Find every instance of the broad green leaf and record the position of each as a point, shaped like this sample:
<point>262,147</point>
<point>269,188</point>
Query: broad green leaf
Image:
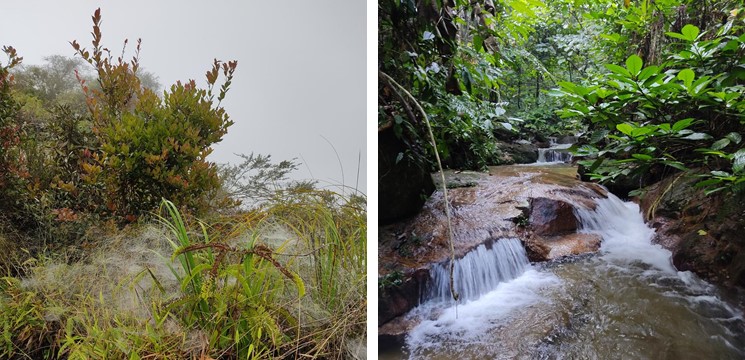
<point>697,136</point>
<point>478,42</point>
<point>643,157</point>
<point>709,192</point>
<point>618,70</point>
<point>521,7</point>
<point>720,144</point>
<point>643,130</point>
<point>720,173</point>
<point>699,86</point>
<point>597,136</point>
<point>738,161</point>
<point>648,72</point>
<point>682,124</point>
<point>677,36</point>
<point>687,76</point>
<point>568,86</point>
<point>634,64</point>
<point>603,93</point>
<point>625,128</point>
<point>676,164</point>
<point>467,79</point>
<point>690,32</point>
<point>615,37</point>
<point>708,182</point>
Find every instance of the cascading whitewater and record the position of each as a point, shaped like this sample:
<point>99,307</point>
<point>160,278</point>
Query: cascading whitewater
<point>629,301</point>
<point>480,271</point>
<point>554,154</point>
<point>625,235</point>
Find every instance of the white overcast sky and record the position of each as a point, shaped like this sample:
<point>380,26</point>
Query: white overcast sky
<point>301,67</point>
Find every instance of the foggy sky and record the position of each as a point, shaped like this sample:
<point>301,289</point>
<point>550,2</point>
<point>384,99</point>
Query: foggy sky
<point>301,67</point>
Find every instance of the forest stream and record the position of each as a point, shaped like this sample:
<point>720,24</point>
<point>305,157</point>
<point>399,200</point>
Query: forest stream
<point>625,301</point>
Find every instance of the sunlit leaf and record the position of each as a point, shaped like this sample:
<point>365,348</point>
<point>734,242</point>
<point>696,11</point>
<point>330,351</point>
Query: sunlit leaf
<point>643,157</point>
<point>634,64</point>
<point>687,76</point>
<point>625,128</point>
<point>682,124</point>
<point>690,32</point>
<point>618,70</point>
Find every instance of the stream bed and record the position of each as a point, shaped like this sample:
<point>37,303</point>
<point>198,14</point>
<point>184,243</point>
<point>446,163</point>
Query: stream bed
<point>625,302</point>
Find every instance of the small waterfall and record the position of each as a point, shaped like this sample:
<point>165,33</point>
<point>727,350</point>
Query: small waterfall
<point>629,301</point>
<point>555,154</point>
<point>480,271</point>
<point>625,235</point>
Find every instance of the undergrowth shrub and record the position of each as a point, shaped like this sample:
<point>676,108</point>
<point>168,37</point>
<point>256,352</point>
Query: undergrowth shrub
<point>682,115</point>
<point>286,282</point>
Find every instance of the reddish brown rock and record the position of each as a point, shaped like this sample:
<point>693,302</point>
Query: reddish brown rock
<point>396,300</point>
<point>551,217</point>
<point>544,248</point>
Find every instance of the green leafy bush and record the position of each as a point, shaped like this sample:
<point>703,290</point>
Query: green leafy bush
<point>685,113</point>
<point>151,147</point>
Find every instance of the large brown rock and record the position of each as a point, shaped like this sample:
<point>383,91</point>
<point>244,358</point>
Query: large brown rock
<point>551,217</point>
<point>544,248</point>
<point>398,299</point>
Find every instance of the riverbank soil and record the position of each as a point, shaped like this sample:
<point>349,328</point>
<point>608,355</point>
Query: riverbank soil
<point>706,234</point>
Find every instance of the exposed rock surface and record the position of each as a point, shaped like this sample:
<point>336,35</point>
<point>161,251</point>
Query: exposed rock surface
<point>403,183</point>
<point>549,216</point>
<point>396,300</point>
<point>542,248</point>
<point>706,234</point>
<point>532,203</point>
<point>516,153</point>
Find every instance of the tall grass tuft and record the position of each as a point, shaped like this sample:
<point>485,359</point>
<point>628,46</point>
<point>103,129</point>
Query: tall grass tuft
<point>330,232</point>
<point>286,281</point>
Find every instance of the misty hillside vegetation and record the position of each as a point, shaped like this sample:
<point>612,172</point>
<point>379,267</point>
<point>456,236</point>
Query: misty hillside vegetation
<point>119,239</point>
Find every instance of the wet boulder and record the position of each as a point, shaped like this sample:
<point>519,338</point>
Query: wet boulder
<point>551,217</point>
<point>399,293</point>
<point>518,153</point>
<point>544,248</point>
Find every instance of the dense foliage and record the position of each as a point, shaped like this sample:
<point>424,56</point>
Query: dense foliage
<point>95,263</point>
<point>654,86</point>
<point>82,144</point>
<point>685,113</point>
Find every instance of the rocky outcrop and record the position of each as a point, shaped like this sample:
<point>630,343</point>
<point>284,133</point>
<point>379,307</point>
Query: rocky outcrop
<point>398,298</point>
<point>543,248</point>
<point>518,153</point>
<point>704,233</point>
<point>530,203</point>
<point>551,217</point>
<point>553,231</point>
<point>403,182</point>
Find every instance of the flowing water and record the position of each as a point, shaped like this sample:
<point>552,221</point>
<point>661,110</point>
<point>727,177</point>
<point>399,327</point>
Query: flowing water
<point>556,154</point>
<point>627,302</point>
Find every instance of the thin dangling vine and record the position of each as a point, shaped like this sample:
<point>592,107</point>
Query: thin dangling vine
<point>390,80</point>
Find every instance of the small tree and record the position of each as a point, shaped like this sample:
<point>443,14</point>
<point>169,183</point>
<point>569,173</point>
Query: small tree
<point>10,162</point>
<point>151,147</point>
